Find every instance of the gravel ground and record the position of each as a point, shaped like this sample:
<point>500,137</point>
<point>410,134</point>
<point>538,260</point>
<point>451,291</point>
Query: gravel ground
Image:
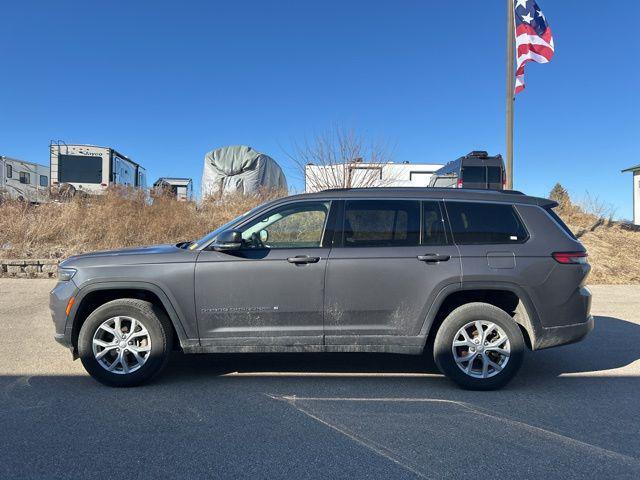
<point>571,412</point>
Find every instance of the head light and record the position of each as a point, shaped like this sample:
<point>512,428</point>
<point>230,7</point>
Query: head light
<point>65,274</point>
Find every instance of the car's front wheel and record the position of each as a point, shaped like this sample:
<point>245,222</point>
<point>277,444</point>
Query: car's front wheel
<point>125,342</point>
<point>479,346</point>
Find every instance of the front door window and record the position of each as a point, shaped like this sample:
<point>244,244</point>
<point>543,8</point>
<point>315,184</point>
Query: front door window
<point>299,225</point>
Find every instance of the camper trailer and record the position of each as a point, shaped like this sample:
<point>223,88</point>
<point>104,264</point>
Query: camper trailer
<point>180,188</point>
<point>24,181</point>
<point>362,174</point>
<point>477,169</point>
<point>91,169</point>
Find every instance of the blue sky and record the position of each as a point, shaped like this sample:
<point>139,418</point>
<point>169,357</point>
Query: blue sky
<point>164,82</point>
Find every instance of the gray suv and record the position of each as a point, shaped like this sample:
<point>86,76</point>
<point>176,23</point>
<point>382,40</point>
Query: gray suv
<point>476,276</point>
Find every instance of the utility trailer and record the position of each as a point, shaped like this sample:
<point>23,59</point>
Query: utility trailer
<point>361,174</point>
<point>24,181</point>
<point>180,188</point>
<point>91,169</point>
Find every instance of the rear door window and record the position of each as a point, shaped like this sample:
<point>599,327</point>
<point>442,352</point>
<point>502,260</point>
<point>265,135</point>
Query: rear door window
<point>494,174</point>
<point>485,223</point>
<point>381,223</point>
<point>474,175</point>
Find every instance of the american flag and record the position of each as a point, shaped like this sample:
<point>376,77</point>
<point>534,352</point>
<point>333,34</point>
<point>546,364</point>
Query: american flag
<point>534,42</point>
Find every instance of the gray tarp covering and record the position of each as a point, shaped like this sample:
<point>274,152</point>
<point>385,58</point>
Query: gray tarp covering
<point>240,168</point>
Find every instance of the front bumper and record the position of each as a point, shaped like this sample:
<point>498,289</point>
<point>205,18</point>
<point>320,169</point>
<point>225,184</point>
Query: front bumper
<point>58,300</point>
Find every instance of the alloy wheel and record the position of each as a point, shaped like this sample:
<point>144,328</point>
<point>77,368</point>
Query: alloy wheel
<point>481,349</point>
<point>121,345</point>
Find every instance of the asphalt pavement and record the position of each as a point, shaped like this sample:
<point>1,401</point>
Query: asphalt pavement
<point>572,412</point>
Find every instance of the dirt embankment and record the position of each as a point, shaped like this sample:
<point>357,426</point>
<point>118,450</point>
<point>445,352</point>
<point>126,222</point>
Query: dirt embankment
<point>114,220</point>
<point>124,219</point>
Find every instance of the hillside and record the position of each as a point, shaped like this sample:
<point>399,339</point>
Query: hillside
<point>124,218</point>
<point>612,246</point>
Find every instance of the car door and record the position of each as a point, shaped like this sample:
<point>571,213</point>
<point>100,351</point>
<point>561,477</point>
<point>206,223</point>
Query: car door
<point>491,239</point>
<point>270,291</point>
<point>389,261</point>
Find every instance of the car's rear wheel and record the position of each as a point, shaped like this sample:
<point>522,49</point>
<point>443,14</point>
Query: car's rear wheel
<point>125,342</point>
<point>479,346</point>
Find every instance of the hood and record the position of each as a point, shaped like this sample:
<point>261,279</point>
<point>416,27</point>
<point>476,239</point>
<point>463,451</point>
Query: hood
<point>148,254</point>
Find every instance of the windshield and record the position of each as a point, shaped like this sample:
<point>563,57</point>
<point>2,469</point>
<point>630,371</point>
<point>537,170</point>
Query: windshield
<point>210,236</point>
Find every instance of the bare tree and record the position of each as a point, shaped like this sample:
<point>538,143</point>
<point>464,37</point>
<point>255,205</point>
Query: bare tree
<point>595,206</point>
<point>340,158</point>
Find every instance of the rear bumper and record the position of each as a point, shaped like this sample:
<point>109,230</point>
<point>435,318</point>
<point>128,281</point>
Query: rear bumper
<point>563,335</point>
<point>565,322</point>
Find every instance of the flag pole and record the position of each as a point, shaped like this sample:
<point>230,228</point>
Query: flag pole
<point>510,92</point>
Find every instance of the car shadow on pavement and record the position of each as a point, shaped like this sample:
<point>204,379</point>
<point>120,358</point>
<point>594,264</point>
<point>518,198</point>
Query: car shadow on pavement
<point>614,343</point>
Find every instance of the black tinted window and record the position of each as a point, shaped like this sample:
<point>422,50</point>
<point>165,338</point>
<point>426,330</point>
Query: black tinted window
<point>494,174</point>
<point>9,171</point>
<point>44,181</point>
<point>474,223</point>
<point>559,221</point>
<point>474,174</point>
<point>433,226</point>
<point>25,178</point>
<point>381,223</point>
<point>79,169</point>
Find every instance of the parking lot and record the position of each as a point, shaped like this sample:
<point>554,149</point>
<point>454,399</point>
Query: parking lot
<point>572,412</point>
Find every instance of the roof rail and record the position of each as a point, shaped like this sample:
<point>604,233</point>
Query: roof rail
<point>487,190</point>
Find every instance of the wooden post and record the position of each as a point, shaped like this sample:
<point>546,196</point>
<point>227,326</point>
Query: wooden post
<point>510,78</point>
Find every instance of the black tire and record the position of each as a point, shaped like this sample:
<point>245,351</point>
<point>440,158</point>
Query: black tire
<point>461,316</point>
<point>160,333</point>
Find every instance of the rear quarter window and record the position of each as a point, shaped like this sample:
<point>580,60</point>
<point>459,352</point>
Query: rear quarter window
<point>560,223</point>
<point>485,223</point>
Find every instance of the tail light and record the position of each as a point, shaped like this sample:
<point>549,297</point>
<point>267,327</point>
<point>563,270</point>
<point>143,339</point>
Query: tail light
<point>570,257</point>
<point>459,184</point>
<point>103,184</point>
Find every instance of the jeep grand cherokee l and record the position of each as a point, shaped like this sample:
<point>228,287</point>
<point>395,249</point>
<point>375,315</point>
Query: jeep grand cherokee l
<point>477,275</point>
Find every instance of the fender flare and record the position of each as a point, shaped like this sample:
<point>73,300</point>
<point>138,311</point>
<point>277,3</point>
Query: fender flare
<point>526,313</point>
<point>127,285</point>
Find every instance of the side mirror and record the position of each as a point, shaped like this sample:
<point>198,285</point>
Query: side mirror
<point>264,236</point>
<point>228,240</point>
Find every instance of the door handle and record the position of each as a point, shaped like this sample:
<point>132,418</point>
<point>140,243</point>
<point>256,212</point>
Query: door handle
<point>303,259</point>
<point>433,258</point>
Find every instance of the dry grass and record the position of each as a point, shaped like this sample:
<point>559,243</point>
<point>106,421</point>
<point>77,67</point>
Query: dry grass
<point>114,220</point>
<point>125,218</point>
<point>612,249</point>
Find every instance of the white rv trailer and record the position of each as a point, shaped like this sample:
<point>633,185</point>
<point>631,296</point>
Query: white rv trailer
<point>91,169</point>
<point>25,181</point>
<point>180,188</point>
<point>360,174</point>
